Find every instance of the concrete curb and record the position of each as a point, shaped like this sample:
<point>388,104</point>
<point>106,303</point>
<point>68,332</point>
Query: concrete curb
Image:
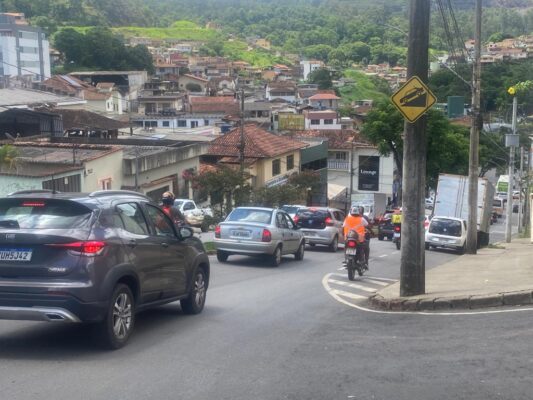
<point>518,298</point>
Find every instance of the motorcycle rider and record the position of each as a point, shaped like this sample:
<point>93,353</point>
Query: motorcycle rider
<point>167,204</point>
<point>355,221</point>
<point>366,247</point>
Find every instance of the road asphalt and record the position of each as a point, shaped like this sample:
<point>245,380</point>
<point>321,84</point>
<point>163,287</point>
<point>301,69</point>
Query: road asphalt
<point>281,333</point>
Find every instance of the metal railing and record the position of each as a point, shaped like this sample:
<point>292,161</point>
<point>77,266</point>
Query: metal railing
<point>339,165</point>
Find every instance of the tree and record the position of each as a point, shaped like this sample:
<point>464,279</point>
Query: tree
<point>193,87</point>
<point>322,77</point>
<point>8,156</point>
<point>447,147</point>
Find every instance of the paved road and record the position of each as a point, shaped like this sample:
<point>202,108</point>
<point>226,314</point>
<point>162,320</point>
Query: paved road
<point>276,333</point>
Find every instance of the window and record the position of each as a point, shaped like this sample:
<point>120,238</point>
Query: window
<point>194,124</point>
<point>28,35</point>
<point>182,123</point>
<point>290,162</point>
<point>132,218</point>
<point>43,214</point>
<point>276,167</point>
<point>162,224</point>
<point>28,50</point>
<point>30,64</point>
<point>206,122</point>
<point>328,122</point>
<point>250,215</point>
<point>166,124</point>
<point>341,155</point>
<point>105,184</point>
<point>281,222</point>
<point>315,122</point>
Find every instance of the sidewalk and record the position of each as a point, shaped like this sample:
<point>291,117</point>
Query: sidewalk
<point>494,277</point>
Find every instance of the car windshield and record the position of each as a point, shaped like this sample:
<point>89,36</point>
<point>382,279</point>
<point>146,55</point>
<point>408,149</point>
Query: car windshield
<point>497,203</point>
<point>448,227</point>
<point>290,209</point>
<point>42,214</point>
<point>312,213</point>
<point>178,203</point>
<point>250,215</point>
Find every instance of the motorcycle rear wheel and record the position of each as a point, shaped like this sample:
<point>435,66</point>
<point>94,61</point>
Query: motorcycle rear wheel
<point>351,269</point>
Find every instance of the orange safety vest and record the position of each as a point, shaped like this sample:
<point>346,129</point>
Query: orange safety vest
<point>356,224</point>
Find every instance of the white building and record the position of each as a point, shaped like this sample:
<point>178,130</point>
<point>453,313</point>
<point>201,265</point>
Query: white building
<point>322,120</point>
<point>309,66</point>
<point>24,49</point>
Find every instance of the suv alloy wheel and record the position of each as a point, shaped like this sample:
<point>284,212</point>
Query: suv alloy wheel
<point>194,303</point>
<point>118,324</point>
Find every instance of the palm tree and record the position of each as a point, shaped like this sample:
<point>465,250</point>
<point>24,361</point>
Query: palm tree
<point>8,156</point>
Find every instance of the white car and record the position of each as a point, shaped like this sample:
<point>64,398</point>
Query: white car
<point>447,232</point>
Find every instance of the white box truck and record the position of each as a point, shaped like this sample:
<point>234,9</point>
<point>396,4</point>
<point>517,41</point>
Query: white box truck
<point>452,201</point>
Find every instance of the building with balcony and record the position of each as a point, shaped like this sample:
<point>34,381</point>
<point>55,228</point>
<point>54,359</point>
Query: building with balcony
<point>24,49</point>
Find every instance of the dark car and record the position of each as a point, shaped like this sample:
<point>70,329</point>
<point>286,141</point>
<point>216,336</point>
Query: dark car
<point>385,227</point>
<point>95,258</point>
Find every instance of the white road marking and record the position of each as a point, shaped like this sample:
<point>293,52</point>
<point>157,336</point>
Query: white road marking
<point>383,255</point>
<point>348,294</point>
<point>352,285</point>
<point>334,293</point>
<point>377,282</point>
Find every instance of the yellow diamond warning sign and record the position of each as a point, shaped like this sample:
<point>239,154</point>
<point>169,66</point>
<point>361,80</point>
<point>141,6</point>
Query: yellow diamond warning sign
<point>413,99</point>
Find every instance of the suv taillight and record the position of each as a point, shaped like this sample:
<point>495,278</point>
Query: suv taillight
<point>295,219</point>
<point>266,236</point>
<point>329,221</point>
<point>90,248</point>
<point>217,231</point>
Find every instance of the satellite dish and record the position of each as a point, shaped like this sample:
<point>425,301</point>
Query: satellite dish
<point>10,137</point>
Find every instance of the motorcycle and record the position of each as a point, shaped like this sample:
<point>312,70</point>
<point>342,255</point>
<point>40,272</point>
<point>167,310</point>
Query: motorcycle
<point>397,236</point>
<point>354,255</point>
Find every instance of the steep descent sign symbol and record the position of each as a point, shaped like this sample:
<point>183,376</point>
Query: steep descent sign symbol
<point>413,99</point>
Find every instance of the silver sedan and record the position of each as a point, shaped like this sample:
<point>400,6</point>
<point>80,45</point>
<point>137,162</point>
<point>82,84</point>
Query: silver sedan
<point>255,231</point>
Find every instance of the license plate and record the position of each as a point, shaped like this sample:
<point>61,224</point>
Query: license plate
<point>241,234</point>
<point>309,233</point>
<point>351,251</point>
<point>15,254</point>
<point>397,235</point>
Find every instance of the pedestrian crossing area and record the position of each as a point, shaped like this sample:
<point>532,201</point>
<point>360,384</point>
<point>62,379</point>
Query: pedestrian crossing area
<point>357,291</point>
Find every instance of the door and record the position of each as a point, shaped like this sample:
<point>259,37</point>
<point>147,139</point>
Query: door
<point>172,252</point>
<point>282,223</point>
<point>295,234</point>
<point>142,250</point>
<point>338,216</point>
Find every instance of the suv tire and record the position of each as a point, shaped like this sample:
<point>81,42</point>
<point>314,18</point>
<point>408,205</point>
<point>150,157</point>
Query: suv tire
<point>115,330</point>
<point>194,303</point>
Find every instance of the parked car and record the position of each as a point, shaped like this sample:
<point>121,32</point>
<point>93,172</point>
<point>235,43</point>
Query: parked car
<point>446,232</point>
<point>292,210</point>
<point>257,231</point>
<point>193,214</point>
<point>385,227</point>
<point>321,225</point>
<point>95,258</point>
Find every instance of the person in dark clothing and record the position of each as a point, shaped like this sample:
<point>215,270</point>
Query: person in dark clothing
<point>366,246</point>
<point>167,204</point>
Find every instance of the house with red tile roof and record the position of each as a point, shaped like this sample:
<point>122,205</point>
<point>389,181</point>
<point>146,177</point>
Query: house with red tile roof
<point>322,119</point>
<point>269,159</point>
<point>189,82</point>
<point>212,105</point>
<point>323,100</point>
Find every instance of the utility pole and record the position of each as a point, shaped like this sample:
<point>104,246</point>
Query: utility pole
<point>412,270</point>
<point>473,166</point>
<point>520,178</point>
<point>352,171</point>
<point>241,147</point>
<point>511,142</point>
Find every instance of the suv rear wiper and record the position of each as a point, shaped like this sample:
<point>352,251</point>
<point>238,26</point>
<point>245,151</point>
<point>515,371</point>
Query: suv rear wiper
<point>9,223</point>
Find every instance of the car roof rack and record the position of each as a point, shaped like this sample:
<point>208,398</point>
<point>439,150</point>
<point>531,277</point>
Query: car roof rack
<point>103,193</point>
<point>33,191</point>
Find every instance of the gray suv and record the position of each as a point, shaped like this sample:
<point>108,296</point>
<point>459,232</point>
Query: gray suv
<point>95,258</point>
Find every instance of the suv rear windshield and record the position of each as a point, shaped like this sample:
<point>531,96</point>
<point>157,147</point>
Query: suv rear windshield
<point>312,218</point>
<point>448,227</point>
<point>250,215</point>
<point>42,214</point>
<point>290,209</point>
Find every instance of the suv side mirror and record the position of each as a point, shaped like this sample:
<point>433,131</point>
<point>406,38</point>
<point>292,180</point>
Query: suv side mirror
<point>185,232</point>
